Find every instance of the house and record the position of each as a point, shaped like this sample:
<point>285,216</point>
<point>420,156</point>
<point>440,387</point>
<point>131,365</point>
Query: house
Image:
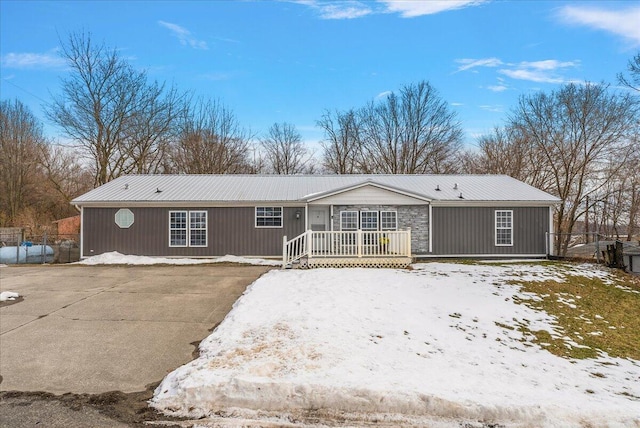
<point>363,215</point>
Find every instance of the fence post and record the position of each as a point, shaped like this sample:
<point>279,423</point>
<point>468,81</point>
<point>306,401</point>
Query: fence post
<point>18,240</point>
<point>44,248</point>
<point>598,247</point>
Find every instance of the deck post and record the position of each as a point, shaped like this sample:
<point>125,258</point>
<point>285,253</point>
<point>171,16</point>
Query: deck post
<point>309,243</point>
<point>359,243</point>
<point>408,242</point>
<point>284,252</point>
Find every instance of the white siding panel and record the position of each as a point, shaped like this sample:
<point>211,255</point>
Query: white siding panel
<point>369,195</point>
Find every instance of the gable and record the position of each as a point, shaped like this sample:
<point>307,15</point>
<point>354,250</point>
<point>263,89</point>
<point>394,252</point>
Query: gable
<point>368,195</point>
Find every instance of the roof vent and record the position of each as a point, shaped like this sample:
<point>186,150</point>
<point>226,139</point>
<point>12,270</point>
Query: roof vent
<point>460,196</point>
<point>455,186</point>
<point>126,187</point>
<point>438,188</point>
<point>158,190</point>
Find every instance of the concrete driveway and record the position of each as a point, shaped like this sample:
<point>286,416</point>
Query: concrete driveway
<point>92,329</point>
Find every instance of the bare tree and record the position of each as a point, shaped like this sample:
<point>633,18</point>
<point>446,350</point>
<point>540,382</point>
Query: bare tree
<point>410,133</point>
<point>116,118</point>
<point>575,130</point>
<point>284,151</point>
<point>505,151</point>
<point>21,140</point>
<point>211,141</point>
<point>341,145</point>
<point>633,68</point>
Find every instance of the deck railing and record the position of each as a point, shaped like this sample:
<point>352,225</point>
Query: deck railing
<point>357,243</point>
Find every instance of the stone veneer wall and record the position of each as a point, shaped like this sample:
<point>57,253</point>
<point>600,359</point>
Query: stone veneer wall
<point>415,217</point>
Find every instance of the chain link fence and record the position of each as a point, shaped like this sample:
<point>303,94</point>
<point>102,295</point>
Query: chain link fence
<point>18,246</point>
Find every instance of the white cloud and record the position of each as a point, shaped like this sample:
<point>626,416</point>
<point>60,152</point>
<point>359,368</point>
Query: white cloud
<point>546,71</point>
<point>456,104</point>
<point>497,108</point>
<point>32,60</point>
<point>184,36</point>
<point>497,88</point>
<point>384,94</point>
<point>413,8</point>
<point>624,22</point>
<point>347,9</point>
<point>468,63</point>
<point>350,9</point>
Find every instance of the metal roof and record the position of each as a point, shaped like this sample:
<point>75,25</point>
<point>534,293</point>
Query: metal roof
<point>292,188</point>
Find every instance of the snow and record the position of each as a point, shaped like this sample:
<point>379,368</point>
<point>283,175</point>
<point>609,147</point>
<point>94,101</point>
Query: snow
<point>438,345</point>
<point>115,258</point>
<point>8,295</point>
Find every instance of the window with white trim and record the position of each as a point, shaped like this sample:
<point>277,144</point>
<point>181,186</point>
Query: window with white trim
<point>369,220</point>
<point>348,220</point>
<point>197,228</point>
<point>187,228</point>
<point>268,216</point>
<point>124,218</point>
<point>388,220</point>
<point>504,228</point>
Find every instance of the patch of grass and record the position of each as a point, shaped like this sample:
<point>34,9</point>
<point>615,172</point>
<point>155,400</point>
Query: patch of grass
<point>592,315</point>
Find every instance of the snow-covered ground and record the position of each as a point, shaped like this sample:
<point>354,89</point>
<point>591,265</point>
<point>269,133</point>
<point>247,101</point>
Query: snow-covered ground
<point>8,295</point>
<point>115,258</point>
<point>423,346</point>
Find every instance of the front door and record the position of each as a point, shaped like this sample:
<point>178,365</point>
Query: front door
<point>319,222</point>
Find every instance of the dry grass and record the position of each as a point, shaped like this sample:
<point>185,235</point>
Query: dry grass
<point>593,315</point>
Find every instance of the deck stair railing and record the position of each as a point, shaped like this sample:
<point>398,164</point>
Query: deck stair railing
<point>351,244</point>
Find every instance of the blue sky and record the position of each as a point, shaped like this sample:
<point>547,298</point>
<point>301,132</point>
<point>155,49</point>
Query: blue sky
<point>288,61</point>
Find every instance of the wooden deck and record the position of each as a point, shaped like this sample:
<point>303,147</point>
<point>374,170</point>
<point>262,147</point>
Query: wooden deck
<point>348,249</point>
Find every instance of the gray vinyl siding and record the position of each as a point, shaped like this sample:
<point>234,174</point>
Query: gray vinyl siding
<point>230,230</point>
<point>471,230</point>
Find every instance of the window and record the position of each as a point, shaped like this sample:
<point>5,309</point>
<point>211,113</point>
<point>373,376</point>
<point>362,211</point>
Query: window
<point>504,228</point>
<point>268,216</point>
<point>369,220</point>
<point>197,228</point>
<point>348,220</point>
<point>124,218</point>
<point>388,220</point>
<point>191,233</point>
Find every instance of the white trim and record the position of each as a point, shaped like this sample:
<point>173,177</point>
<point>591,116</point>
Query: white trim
<point>255,218</point>
<point>430,228</point>
<point>206,229</point>
<point>493,204</point>
<point>81,232</point>
<point>377,217</point>
<point>192,204</point>
<point>551,230</point>
<point>186,213</point>
<point>495,228</point>
<point>329,193</point>
<point>380,220</point>
<point>357,219</point>
<point>126,212</point>
<point>474,256</point>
